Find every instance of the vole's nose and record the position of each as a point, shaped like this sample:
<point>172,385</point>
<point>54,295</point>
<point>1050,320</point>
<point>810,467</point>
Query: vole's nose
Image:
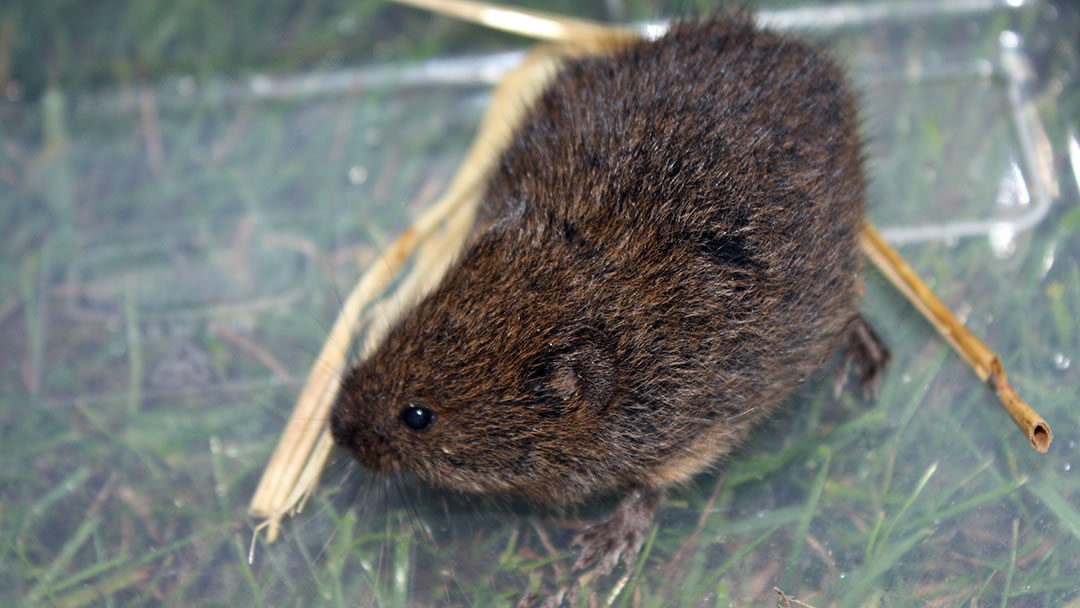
<point>368,444</point>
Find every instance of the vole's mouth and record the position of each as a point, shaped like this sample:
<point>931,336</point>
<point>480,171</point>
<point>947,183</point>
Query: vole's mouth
<point>380,462</point>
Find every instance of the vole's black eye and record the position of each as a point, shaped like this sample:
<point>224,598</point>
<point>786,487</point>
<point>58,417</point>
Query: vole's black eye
<point>417,417</point>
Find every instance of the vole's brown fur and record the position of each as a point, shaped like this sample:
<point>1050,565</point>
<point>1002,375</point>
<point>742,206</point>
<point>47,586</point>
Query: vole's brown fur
<point>667,248</point>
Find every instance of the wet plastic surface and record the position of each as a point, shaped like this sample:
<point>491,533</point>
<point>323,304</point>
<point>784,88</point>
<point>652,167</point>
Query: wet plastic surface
<point>177,251</point>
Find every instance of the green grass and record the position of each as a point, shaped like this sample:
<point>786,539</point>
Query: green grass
<point>175,248</point>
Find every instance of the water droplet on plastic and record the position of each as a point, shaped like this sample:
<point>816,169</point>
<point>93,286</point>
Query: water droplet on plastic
<point>1013,190</point>
<point>358,175</point>
<point>843,575</point>
<point>1061,362</point>
<point>1048,260</point>
<point>1067,467</point>
<point>261,85</point>
<point>186,86</point>
<point>1003,239</point>
<point>962,312</point>
<point>906,378</point>
<point>1009,39</point>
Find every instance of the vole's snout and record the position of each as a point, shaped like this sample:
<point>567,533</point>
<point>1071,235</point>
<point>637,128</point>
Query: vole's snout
<point>340,428</point>
<point>368,445</point>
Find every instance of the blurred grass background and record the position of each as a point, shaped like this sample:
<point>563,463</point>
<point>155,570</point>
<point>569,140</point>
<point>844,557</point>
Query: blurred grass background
<point>176,243</point>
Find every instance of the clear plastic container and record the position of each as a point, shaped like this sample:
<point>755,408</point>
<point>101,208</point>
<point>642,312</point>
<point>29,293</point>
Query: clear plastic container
<point>178,244</point>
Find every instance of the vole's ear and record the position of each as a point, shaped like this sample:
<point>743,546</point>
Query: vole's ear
<point>578,369</point>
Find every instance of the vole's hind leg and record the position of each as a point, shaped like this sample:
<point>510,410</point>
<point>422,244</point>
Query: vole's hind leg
<point>619,536</point>
<point>867,353</point>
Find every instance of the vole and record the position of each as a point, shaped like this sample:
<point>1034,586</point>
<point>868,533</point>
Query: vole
<point>666,249</point>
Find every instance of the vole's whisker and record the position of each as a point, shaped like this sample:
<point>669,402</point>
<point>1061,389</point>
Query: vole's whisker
<point>415,519</point>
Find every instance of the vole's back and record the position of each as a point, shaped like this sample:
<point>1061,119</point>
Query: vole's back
<point>666,249</point>
<point>708,190</point>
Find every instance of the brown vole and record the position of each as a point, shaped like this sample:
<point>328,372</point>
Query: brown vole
<point>666,249</point>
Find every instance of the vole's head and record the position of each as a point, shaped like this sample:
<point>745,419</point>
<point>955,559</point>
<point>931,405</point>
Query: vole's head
<point>498,382</point>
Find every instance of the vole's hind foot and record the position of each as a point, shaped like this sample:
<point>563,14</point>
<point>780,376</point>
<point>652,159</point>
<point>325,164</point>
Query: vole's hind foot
<point>868,354</point>
<point>619,536</point>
